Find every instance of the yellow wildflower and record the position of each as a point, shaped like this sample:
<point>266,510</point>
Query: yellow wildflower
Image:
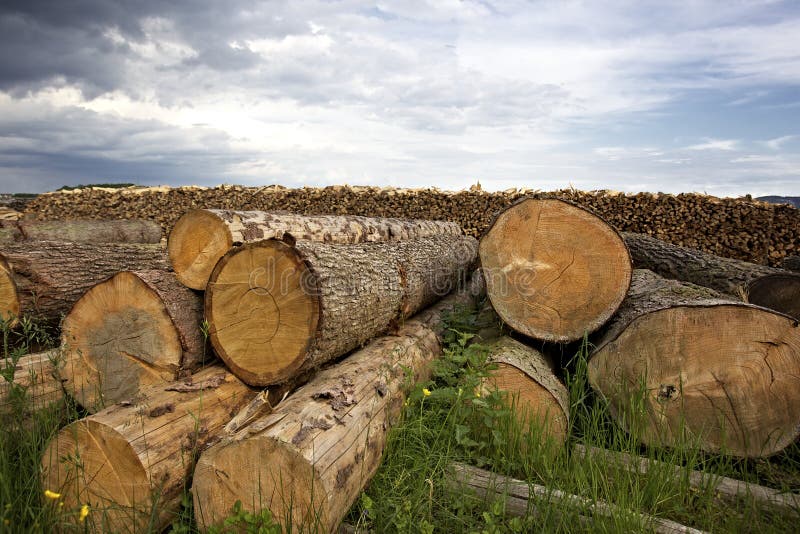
<point>426,392</point>
<point>84,512</point>
<point>478,394</point>
<point>52,494</point>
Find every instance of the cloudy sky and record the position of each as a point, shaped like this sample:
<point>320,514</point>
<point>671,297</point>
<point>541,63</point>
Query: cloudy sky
<point>632,96</point>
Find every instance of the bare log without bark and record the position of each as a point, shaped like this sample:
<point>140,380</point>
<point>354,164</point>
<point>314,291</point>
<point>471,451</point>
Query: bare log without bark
<point>310,459</point>
<point>82,231</point>
<point>521,497</point>
<point>553,270</point>
<point>45,278</point>
<point>137,328</point>
<point>276,310</point>
<point>713,372</point>
<point>528,377</point>
<point>758,284</point>
<point>130,461</point>
<point>201,237</point>
<point>36,385</point>
<point>729,488</point>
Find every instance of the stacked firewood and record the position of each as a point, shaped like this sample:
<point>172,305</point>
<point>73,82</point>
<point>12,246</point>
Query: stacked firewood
<point>279,346</point>
<point>735,228</point>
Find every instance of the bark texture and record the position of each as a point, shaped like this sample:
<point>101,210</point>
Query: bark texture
<point>37,384</point>
<point>722,374</point>
<point>528,376</point>
<point>137,328</point>
<point>81,231</point>
<point>50,276</point>
<point>319,448</point>
<point>130,461</point>
<point>201,237</point>
<point>758,284</point>
<point>553,270</point>
<point>791,263</point>
<point>277,310</point>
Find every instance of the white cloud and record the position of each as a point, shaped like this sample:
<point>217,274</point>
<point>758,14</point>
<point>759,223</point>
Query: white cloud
<point>778,142</point>
<point>715,144</point>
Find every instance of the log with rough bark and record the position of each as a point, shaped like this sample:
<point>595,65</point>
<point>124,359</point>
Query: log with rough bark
<point>772,288</point>
<point>729,488</point>
<point>553,270</point>
<point>309,460</point>
<point>134,329</point>
<point>518,494</point>
<point>276,309</point>
<point>45,278</point>
<point>683,364</point>
<point>528,377</point>
<point>201,237</point>
<point>36,384</point>
<point>130,462</point>
<point>791,263</point>
<point>82,231</point>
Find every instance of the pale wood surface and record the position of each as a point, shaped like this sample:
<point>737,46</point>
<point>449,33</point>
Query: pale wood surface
<point>40,375</point>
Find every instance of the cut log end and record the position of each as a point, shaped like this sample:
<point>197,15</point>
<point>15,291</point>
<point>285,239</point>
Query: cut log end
<point>271,473</point>
<point>541,258</point>
<point>197,241</point>
<point>122,338</point>
<point>263,310</point>
<point>93,464</point>
<point>779,292</point>
<point>9,299</point>
<point>725,375</point>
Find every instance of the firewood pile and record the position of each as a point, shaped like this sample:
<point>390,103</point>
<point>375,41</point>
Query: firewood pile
<point>735,228</point>
<point>266,355</point>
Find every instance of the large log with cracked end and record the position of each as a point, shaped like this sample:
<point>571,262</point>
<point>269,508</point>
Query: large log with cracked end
<point>135,329</point>
<point>82,231</point>
<point>765,286</point>
<point>130,462</point>
<point>309,460</point>
<point>528,377</point>
<point>711,371</point>
<point>36,383</point>
<point>553,270</point>
<point>276,310</point>
<point>45,278</point>
<point>201,237</point>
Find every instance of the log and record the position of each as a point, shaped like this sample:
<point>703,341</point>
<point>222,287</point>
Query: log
<point>713,372</point>
<point>276,310</point>
<point>130,461</point>
<point>553,270</point>
<point>518,501</point>
<point>81,231</point>
<point>729,488</point>
<point>791,263</point>
<point>201,237</point>
<point>47,277</point>
<point>39,377</point>
<point>309,460</point>
<point>528,377</point>
<point>758,284</point>
<point>135,329</point>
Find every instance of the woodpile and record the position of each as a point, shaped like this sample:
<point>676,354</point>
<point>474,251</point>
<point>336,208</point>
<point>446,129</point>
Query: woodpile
<point>735,228</point>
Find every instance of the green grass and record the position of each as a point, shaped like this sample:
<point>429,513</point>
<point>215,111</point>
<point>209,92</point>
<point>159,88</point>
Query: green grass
<point>452,418</point>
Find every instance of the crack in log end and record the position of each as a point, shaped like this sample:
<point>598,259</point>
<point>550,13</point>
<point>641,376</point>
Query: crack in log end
<point>666,392</point>
<point>342,475</point>
<point>158,411</point>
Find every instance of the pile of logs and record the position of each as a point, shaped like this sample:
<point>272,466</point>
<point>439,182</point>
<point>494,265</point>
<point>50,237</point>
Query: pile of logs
<point>740,228</point>
<point>265,355</point>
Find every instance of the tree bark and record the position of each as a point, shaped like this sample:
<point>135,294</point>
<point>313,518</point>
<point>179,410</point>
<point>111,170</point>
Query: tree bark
<point>758,284</point>
<point>320,447</point>
<point>201,237</point>
<point>37,384</point>
<point>81,231</point>
<point>48,276</point>
<point>527,376</point>
<point>130,462</point>
<point>276,310</point>
<point>553,270</point>
<point>135,329</point>
<point>710,371</point>
<point>791,263</point>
